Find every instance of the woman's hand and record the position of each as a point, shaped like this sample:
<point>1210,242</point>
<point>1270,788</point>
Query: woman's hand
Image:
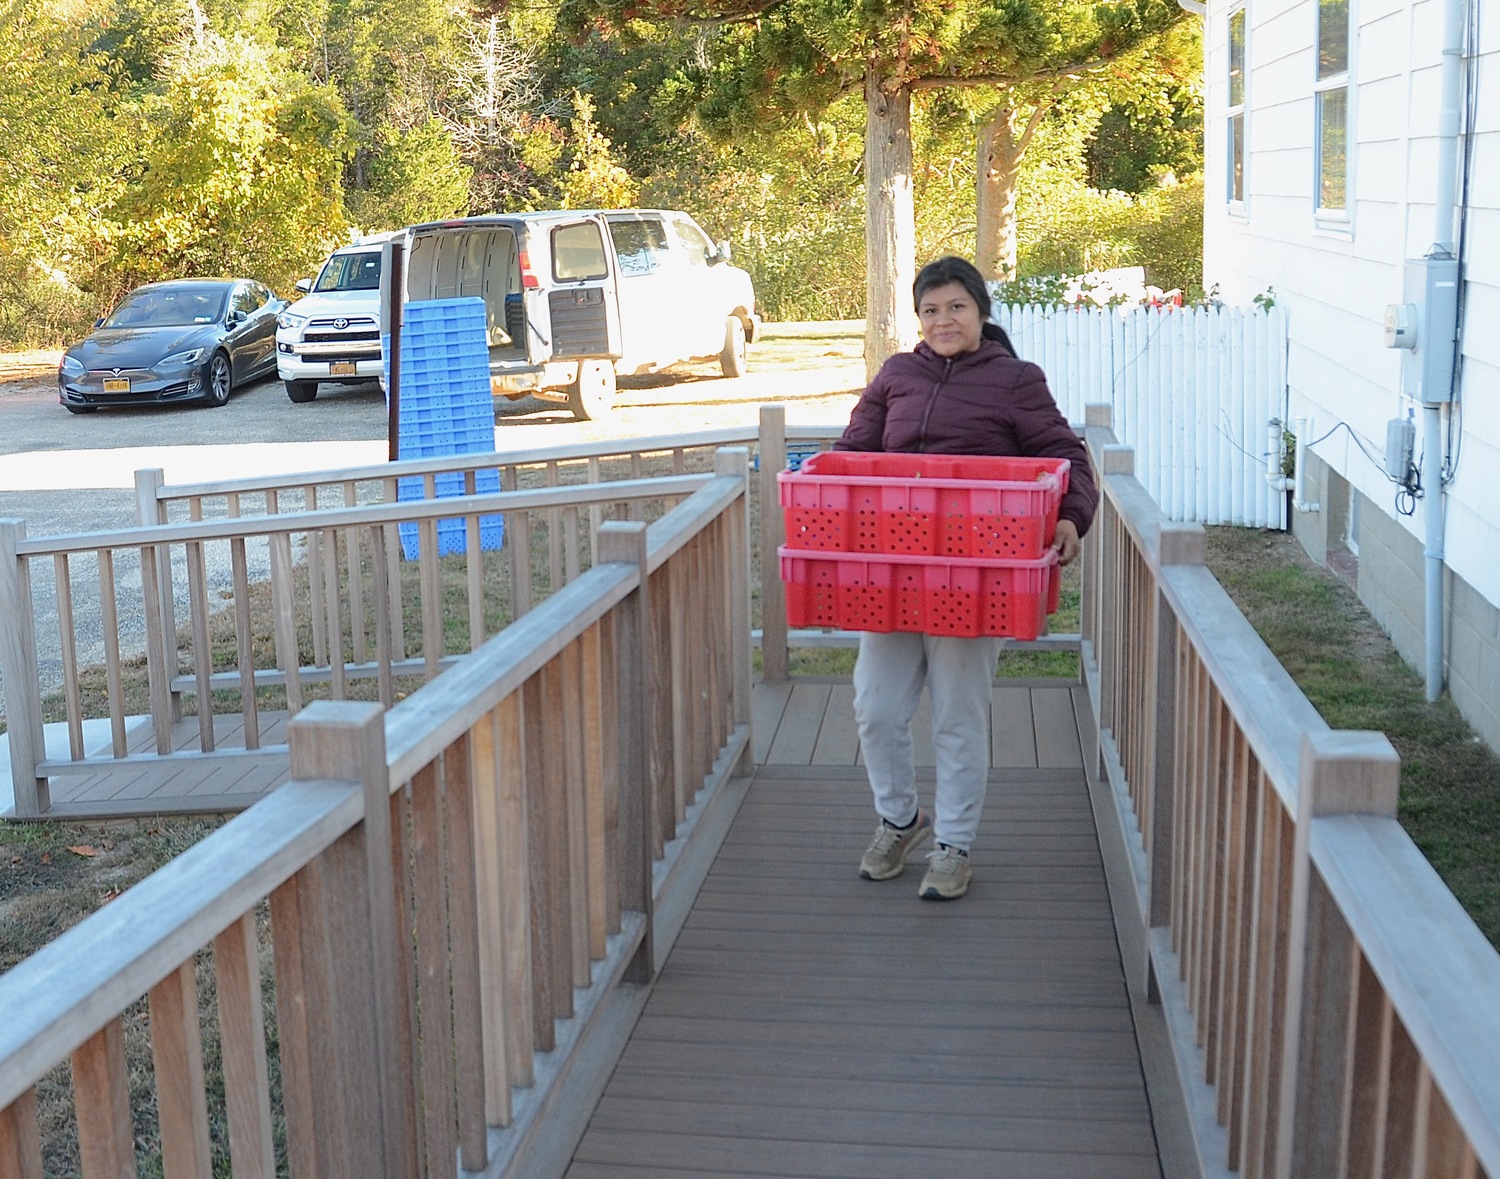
<point>1065,541</point>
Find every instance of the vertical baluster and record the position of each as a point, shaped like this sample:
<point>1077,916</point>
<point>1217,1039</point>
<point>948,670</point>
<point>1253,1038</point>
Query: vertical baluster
<point>330,563</point>
<point>203,659</point>
<point>594,707</point>
<point>21,1139</point>
<point>114,684</point>
<point>464,948</point>
<point>159,668</point>
<point>541,802</point>
<point>242,1037</point>
<point>572,720</point>
<point>384,625</point>
<point>284,619</point>
<point>101,1101</point>
<point>489,886</point>
<point>554,536</point>
<point>69,645</point>
<point>177,1056</point>
<point>244,638</point>
<point>394,598</point>
<point>432,597</point>
<point>356,582</point>
<point>596,511</point>
<point>434,978</point>
<point>513,763</point>
<point>316,558</point>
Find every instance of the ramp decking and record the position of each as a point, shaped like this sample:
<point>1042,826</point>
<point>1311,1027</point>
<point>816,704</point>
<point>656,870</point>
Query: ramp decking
<point>809,1023</point>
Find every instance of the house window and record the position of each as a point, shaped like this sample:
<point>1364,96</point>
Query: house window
<point>1236,121</point>
<point>1331,101</point>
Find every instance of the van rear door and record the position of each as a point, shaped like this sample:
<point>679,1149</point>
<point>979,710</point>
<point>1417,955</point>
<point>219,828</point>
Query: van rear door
<point>582,300</point>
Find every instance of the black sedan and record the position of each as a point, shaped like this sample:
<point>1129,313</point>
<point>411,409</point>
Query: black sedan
<point>185,340</point>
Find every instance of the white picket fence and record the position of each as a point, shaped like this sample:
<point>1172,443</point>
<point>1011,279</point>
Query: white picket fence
<point>1193,390</point>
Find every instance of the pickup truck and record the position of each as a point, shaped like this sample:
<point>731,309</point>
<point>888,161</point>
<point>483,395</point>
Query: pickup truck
<point>575,298</point>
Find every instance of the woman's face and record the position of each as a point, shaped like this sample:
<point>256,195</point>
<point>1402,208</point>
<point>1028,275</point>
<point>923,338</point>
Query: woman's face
<point>950,319</point>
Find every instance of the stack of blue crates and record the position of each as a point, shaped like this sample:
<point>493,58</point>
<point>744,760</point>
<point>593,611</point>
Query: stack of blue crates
<point>446,408</point>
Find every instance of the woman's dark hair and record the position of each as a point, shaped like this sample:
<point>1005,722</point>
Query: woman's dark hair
<point>960,270</point>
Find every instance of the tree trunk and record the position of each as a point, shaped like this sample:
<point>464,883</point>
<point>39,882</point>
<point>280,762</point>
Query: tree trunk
<point>999,164</point>
<point>890,223</point>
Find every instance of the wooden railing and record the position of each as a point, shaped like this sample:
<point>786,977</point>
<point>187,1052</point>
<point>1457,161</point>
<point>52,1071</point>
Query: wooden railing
<point>465,893</point>
<point>1332,1009</point>
<point>329,585</point>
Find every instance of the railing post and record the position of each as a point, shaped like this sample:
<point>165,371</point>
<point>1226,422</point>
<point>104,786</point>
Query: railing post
<point>625,542</point>
<point>1097,421</point>
<point>19,676</point>
<point>773,649</point>
<point>1177,544</point>
<point>149,512</point>
<point>1341,773</point>
<point>337,954</point>
<point>734,462</point>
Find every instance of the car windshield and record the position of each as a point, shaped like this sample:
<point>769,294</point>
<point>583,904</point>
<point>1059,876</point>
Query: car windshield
<point>167,307</point>
<point>350,272</point>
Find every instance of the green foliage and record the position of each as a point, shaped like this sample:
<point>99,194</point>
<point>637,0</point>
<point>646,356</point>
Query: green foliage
<point>240,171</point>
<point>413,176</point>
<point>1067,228</point>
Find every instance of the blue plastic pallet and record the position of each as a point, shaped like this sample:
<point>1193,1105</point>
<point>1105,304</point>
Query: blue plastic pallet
<point>452,534</point>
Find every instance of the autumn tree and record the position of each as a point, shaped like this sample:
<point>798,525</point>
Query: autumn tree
<point>778,59</point>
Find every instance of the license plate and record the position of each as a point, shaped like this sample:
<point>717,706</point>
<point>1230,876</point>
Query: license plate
<point>117,384</point>
<point>341,368</point>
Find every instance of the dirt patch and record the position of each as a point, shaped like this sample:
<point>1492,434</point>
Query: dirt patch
<point>27,374</point>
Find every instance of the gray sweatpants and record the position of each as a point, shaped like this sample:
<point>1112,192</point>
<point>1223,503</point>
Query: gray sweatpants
<point>888,679</point>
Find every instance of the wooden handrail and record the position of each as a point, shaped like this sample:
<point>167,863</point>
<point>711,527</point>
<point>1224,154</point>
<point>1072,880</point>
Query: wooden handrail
<point>471,852</point>
<point>1293,936</point>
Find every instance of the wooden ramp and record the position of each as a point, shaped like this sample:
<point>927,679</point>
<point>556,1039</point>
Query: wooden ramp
<point>810,1023</point>
<point>141,783</point>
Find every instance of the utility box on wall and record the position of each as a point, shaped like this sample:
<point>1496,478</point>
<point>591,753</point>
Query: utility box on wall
<point>1427,367</point>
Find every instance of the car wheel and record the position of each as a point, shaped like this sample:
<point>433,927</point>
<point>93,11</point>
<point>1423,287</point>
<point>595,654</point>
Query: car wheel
<point>220,380</point>
<point>592,395</point>
<point>80,408</point>
<point>302,391</point>
<point>732,359</point>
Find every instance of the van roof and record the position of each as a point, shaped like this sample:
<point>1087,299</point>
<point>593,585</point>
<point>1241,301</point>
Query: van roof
<point>541,215</point>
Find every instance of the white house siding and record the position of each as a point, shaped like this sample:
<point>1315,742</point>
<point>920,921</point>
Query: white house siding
<point>1336,280</point>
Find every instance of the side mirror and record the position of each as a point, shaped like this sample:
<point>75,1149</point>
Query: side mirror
<point>235,318</point>
<point>721,251</point>
<point>304,285</point>
<point>99,322</point>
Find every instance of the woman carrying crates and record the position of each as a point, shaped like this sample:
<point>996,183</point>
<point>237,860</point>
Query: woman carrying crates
<point>960,391</point>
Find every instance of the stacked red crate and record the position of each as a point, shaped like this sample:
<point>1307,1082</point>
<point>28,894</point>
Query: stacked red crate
<point>936,544</point>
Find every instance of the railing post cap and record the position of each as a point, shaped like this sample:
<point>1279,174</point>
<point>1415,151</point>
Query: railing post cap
<point>1116,459</point>
<point>732,460</point>
<point>622,541</point>
<point>1181,542</point>
<point>1348,771</point>
<point>1098,413</point>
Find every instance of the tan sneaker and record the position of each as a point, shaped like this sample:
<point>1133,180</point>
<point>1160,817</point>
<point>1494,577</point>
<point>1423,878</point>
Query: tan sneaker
<point>947,876</point>
<point>887,853</point>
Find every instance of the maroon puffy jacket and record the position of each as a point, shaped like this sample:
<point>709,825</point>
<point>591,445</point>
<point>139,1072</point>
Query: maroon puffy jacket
<point>983,402</point>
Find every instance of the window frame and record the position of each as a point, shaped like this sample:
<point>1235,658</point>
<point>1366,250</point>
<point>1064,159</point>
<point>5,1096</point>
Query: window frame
<point>1338,218</point>
<point>1236,113</point>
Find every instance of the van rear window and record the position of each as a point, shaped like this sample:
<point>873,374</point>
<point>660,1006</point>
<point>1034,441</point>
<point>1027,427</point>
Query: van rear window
<point>578,253</point>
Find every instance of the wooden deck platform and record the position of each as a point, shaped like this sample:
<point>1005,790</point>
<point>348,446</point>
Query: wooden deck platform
<point>810,1023</point>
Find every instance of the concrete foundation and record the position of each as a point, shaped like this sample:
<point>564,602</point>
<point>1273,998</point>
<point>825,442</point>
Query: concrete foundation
<point>1390,580</point>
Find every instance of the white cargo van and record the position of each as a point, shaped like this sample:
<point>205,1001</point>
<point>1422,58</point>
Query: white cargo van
<point>574,298</point>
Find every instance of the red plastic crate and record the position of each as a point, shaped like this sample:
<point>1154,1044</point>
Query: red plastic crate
<point>923,504</point>
<point>921,594</point>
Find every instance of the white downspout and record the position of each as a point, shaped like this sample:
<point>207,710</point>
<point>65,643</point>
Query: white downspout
<point>1451,93</point>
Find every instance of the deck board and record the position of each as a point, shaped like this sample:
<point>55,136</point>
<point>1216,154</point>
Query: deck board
<point>811,1024</point>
